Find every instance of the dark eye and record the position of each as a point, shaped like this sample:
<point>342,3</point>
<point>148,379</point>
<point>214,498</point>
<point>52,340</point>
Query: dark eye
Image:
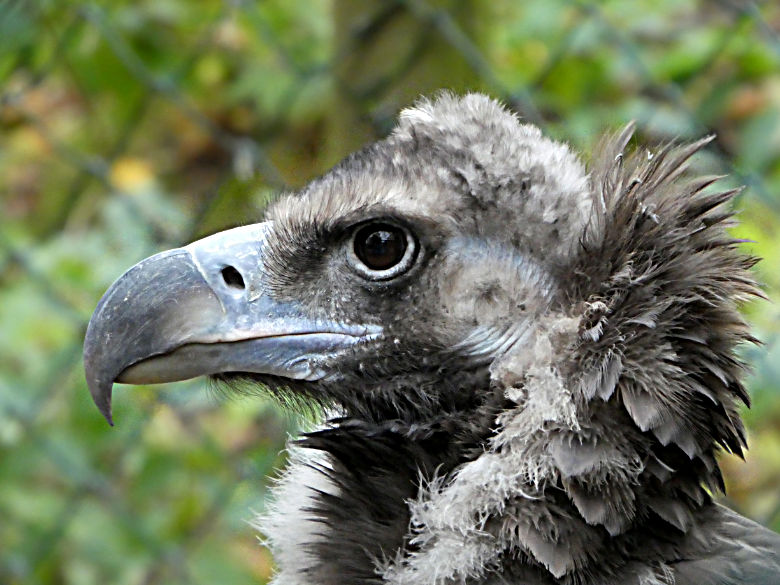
<point>380,246</point>
<point>382,250</point>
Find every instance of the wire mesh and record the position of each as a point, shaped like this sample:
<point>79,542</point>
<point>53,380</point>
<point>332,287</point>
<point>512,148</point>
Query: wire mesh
<point>126,128</point>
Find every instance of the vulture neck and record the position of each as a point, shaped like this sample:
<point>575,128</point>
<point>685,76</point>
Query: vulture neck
<point>528,481</point>
<point>342,513</point>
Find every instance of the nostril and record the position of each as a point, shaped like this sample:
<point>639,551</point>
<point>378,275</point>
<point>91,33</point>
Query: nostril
<point>233,278</point>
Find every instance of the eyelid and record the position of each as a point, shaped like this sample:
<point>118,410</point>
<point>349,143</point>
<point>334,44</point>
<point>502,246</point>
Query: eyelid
<point>349,221</point>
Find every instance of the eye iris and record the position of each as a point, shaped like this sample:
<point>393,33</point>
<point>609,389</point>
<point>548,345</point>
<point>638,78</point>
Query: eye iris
<point>380,246</point>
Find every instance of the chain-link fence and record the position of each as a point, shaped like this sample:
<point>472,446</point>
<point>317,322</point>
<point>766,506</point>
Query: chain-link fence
<point>130,127</point>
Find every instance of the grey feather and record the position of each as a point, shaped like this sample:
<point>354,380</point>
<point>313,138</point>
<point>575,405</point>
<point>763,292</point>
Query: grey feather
<point>739,552</point>
<point>551,370</point>
<point>614,374</point>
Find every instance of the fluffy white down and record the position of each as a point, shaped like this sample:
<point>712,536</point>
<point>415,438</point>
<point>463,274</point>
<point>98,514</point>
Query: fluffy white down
<point>287,524</point>
<point>559,190</point>
<point>449,519</point>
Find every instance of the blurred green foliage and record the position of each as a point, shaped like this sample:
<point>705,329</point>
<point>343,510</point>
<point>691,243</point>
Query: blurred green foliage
<point>130,126</point>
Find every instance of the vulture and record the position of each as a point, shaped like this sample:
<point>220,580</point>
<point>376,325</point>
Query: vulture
<point>527,365</point>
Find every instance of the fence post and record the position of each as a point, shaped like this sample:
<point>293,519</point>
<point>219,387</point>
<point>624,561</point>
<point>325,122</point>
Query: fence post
<point>387,55</point>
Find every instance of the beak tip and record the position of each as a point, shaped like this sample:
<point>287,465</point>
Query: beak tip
<point>104,406</point>
<point>101,396</point>
<point>105,410</point>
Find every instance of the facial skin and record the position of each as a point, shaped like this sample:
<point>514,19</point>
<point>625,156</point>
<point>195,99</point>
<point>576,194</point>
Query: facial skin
<point>461,272</point>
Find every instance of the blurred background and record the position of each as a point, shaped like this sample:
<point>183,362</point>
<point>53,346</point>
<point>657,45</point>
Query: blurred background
<point>130,126</point>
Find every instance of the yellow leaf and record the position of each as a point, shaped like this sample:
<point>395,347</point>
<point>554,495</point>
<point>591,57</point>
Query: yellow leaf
<point>131,175</point>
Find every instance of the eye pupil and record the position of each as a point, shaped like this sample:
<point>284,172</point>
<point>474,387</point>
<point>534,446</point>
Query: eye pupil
<point>380,246</point>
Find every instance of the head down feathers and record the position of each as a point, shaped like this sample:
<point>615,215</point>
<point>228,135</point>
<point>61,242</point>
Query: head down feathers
<point>545,371</point>
<point>601,305</point>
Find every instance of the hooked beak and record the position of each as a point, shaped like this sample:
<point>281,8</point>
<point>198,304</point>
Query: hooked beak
<point>206,309</point>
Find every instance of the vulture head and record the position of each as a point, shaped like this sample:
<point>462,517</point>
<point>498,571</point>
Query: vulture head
<point>529,365</point>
